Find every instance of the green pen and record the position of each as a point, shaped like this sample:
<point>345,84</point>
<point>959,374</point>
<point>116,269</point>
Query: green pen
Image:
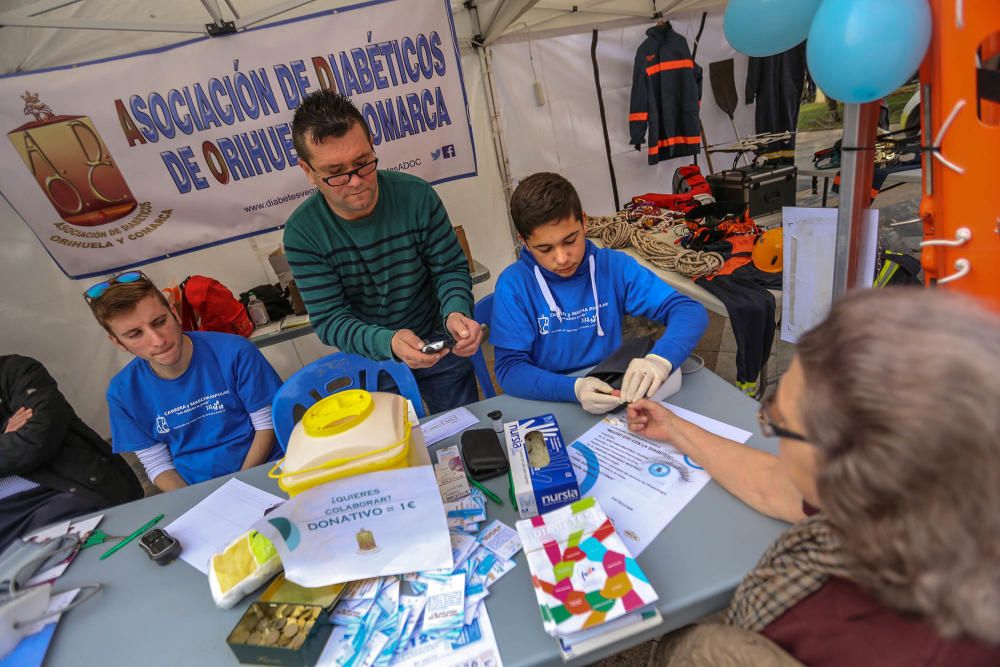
<point>146,526</point>
<point>486,492</point>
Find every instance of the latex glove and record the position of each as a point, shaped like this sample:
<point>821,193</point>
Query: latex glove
<point>644,376</point>
<point>595,395</point>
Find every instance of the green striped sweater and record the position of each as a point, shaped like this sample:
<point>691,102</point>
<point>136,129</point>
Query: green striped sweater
<point>399,268</point>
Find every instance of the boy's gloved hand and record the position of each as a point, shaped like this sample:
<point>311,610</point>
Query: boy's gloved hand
<point>644,376</point>
<point>595,395</point>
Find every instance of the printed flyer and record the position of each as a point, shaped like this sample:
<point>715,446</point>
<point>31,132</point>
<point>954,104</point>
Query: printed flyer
<point>382,523</point>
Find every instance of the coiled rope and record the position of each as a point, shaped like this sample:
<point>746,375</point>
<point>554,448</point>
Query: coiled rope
<point>614,231</point>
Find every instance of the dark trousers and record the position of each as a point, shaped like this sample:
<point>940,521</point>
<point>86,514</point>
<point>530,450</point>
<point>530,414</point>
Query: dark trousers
<point>36,508</point>
<point>448,384</point>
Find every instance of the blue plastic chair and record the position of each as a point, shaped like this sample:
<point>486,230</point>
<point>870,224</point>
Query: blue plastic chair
<point>329,375</point>
<point>483,311</point>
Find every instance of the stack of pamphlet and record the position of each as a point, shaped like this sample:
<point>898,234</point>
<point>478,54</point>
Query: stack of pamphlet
<point>590,590</point>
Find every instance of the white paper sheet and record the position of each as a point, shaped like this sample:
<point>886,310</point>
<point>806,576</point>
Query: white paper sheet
<point>82,528</point>
<point>447,424</point>
<point>641,484</point>
<point>810,239</point>
<point>49,532</point>
<point>206,529</point>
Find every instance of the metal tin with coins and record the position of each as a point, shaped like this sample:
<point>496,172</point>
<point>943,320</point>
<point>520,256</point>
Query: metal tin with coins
<point>280,633</point>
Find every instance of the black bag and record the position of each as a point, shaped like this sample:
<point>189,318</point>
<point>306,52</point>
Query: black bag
<point>276,302</point>
<point>482,454</point>
<point>764,189</point>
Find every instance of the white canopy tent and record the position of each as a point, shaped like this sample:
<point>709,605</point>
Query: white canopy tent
<point>43,313</point>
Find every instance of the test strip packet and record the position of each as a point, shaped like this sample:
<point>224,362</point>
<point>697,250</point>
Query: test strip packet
<point>501,539</point>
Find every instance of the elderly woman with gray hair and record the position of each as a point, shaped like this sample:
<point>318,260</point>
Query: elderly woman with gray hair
<point>888,466</point>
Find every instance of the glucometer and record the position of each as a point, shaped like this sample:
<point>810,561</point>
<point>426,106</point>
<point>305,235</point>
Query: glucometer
<point>431,348</point>
<point>160,546</point>
<point>437,343</point>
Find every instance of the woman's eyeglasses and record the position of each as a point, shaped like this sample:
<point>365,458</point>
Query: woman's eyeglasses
<point>769,428</point>
<point>98,290</point>
<point>345,178</point>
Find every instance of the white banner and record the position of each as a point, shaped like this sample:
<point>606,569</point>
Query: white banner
<point>122,162</point>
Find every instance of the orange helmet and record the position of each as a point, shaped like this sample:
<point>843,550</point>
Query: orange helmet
<point>767,251</point>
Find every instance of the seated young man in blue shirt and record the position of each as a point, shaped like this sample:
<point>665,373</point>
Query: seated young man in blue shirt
<point>193,405</point>
<point>559,308</point>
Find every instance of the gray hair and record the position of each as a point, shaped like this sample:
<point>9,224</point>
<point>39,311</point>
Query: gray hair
<point>903,402</point>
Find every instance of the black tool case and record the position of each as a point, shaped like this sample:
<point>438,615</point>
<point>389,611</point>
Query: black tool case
<point>764,188</point>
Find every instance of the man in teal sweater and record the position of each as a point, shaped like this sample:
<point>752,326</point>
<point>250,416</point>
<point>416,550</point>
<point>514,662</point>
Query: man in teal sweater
<point>375,257</point>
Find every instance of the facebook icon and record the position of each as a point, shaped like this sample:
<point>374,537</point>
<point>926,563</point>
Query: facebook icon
<point>448,151</point>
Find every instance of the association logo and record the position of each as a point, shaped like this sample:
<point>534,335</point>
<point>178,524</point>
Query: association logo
<point>543,324</point>
<point>161,425</point>
<point>72,165</point>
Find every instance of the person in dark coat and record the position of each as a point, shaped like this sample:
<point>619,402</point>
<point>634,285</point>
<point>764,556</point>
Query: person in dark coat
<point>52,465</point>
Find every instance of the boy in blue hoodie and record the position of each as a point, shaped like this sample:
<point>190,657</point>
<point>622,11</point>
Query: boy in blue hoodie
<point>560,307</point>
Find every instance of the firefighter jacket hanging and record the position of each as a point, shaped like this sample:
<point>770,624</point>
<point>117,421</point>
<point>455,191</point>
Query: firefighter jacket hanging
<point>666,93</point>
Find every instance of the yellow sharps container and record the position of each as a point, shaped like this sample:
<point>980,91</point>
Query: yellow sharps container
<point>348,433</point>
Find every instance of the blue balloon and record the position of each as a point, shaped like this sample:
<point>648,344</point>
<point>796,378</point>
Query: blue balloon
<point>766,27</point>
<point>862,50</point>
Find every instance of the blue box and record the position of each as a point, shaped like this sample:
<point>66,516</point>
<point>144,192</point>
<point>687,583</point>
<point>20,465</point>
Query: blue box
<point>542,477</point>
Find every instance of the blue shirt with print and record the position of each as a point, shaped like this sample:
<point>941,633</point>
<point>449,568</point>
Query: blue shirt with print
<point>203,415</point>
<point>535,347</point>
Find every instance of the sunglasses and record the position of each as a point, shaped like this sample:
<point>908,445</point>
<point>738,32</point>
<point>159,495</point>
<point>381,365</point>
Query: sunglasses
<point>771,430</point>
<point>98,290</point>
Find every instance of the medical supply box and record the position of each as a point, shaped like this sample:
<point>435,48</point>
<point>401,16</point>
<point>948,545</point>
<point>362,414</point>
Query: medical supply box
<point>541,475</point>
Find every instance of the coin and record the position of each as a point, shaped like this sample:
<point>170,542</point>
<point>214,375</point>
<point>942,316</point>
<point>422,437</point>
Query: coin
<point>271,636</point>
<point>255,638</point>
<point>283,641</point>
<point>297,641</point>
<point>239,636</point>
<point>279,623</point>
<point>291,630</point>
<point>262,625</point>
<point>282,610</point>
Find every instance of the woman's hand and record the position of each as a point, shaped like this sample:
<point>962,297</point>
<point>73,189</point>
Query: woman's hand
<point>651,420</point>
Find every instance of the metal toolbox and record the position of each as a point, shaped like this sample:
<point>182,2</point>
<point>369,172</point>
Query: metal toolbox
<point>764,189</point>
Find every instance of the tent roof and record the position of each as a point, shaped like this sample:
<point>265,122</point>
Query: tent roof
<point>521,19</point>
<point>36,34</point>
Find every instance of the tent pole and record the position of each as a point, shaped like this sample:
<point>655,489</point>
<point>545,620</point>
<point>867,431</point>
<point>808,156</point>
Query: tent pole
<point>212,7</point>
<point>503,164</point>
<point>857,167</point>
<point>604,120</point>
<point>506,13</point>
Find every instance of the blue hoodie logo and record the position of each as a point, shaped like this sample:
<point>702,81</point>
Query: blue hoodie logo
<point>543,325</point>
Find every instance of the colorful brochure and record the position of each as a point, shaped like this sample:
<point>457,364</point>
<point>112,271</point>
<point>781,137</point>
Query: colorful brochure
<point>582,572</point>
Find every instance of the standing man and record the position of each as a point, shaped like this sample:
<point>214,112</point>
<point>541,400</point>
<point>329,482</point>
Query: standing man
<point>192,406</point>
<point>375,257</point>
<point>52,465</point>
